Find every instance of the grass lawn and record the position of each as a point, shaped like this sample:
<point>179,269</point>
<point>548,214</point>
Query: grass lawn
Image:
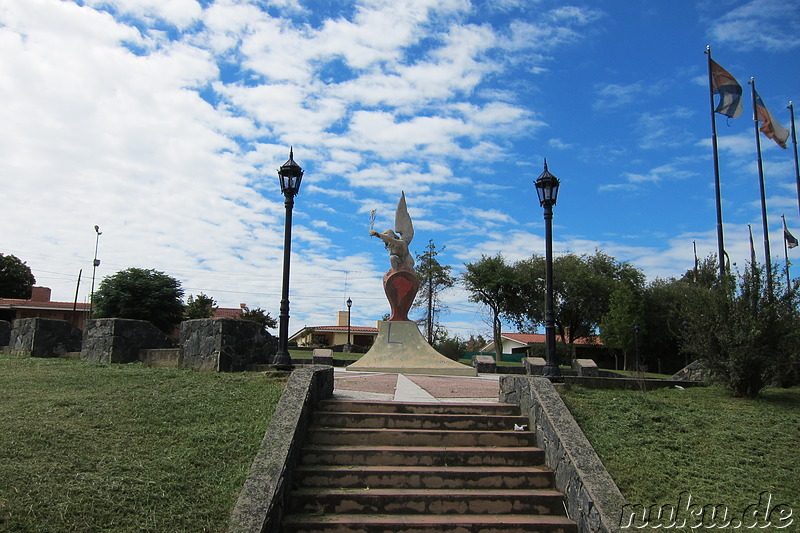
<point>94,447</point>
<point>719,449</point>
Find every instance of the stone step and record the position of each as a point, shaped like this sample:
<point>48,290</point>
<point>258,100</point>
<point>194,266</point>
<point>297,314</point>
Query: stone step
<point>352,406</point>
<point>466,422</point>
<point>422,455</point>
<point>418,437</point>
<point>446,477</point>
<point>426,501</point>
<point>428,524</point>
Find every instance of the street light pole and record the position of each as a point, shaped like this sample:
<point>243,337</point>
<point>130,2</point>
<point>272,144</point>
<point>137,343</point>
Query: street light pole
<point>547,189</point>
<point>349,305</point>
<point>290,175</point>
<point>95,264</point>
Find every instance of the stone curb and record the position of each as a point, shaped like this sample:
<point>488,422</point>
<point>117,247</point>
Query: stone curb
<point>593,499</point>
<point>261,502</point>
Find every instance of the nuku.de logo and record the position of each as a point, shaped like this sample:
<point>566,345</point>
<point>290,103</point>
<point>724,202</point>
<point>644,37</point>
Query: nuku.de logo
<point>689,515</point>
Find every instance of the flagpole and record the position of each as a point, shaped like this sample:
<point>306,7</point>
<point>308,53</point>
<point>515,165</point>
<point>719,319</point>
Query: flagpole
<point>796,163</point>
<point>720,237</point>
<point>767,258</point>
<point>786,255</point>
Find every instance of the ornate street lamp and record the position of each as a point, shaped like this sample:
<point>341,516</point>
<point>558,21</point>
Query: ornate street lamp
<point>289,175</point>
<point>349,305</point>
<point>547,189</point>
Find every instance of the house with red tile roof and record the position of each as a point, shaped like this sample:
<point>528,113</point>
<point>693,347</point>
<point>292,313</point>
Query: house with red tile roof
<point>40,306</point>
<point>520,342</point>
<point>318,336</point>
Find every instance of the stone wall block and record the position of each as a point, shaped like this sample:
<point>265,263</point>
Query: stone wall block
<point>119,340</point>
<point>223,344</point>
<point>5,333</point>
<point>44,337</point>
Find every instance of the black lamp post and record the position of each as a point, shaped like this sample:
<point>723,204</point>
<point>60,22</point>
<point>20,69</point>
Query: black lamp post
<point>547,189</point>
<point>290,175</point>
<point>349,305</point>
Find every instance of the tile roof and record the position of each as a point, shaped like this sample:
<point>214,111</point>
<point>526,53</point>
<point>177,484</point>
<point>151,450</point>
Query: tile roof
<point>538,338</point>
<point>14,303</point>
<point>227,312</point>
<point>362,329</point>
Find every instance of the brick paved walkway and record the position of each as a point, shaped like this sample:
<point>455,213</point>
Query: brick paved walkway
<point>414,388</point>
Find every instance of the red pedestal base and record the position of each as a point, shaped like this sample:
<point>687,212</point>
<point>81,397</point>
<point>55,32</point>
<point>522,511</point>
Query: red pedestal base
<point>400,286</point>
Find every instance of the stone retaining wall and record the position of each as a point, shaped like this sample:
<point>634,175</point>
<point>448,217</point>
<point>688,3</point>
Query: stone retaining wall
<point>118,340</point>
<point>224,344</point>
<point>593,499</point>
<point>262,500</point>
<point>43,337</point>
<point>164,357</point>
<point>5,332</point>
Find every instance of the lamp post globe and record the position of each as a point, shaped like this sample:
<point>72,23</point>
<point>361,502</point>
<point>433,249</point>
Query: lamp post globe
<point>290,175</point>
<point>547,189</point>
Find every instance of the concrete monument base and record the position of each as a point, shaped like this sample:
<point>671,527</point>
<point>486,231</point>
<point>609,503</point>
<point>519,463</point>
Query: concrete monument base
<point>401,348</point>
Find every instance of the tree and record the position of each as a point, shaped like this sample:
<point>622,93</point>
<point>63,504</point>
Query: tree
<point>582,288</point>
<point>141,294</point>
<point>704,274</point>
<point>666,314</point>
<point>16,278</point>
<point>451,347</point>
<point>475,344</point>
<point>201,307</point>
<point>433,279</point>
<point>260,316</point>
<point>626,311</point>
<point>745,336</point>
<point>493,283</point>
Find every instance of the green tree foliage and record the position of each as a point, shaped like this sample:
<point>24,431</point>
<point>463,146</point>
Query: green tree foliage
<point>666,315</point>
<point>16,278</point>
<point>626,311</point>
<point>260,316</point>
<point>201,307</point>
<point>475,344</point>
<point>745,336</point>
<point>141,294</point>
<point>704,274</point>
<point>582,289</point>
<point>494,283</point>
<point>451,347</point>
<point>433,279</point>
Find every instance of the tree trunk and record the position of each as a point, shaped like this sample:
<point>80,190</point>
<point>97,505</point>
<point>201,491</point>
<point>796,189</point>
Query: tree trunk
<point>498,338</point>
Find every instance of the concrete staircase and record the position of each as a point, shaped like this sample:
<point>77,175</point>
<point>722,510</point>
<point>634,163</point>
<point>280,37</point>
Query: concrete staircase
<point>422,467</point>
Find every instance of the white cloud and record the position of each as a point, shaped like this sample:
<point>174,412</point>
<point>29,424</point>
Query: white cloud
<point>180,13</point>
<point>767,24</point>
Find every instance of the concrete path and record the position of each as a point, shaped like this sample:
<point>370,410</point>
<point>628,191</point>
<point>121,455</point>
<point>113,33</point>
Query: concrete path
<point>414,387</point>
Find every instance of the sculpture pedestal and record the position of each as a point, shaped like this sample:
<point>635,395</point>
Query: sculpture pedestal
<point>401,348</point>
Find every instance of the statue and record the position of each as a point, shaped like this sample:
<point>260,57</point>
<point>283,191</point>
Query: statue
<point>400,283</point>
<point>397,241</point>
<point>400,347</point>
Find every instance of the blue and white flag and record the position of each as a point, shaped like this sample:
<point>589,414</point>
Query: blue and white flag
<point>728,89</point>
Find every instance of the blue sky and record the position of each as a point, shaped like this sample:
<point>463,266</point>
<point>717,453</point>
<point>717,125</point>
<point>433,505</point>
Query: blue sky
<point>164,121</point>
